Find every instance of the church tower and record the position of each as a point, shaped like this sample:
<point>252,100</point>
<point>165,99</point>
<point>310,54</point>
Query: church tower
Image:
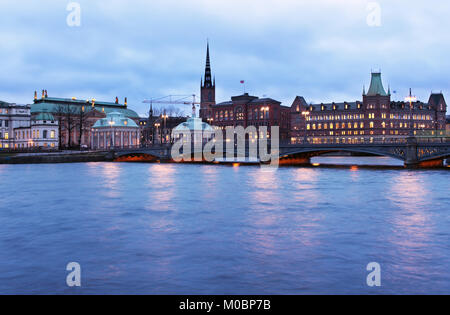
<point>207,90</point>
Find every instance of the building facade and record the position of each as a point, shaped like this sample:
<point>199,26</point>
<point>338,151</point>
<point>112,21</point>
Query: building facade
<point>41,133</point>
<point>115,131</point>
<point>21,131</point>
<point>375,116</point>
<point>447,126</point>
<point>12,117</point>
<point>77,117</point>
<point>243,110</point>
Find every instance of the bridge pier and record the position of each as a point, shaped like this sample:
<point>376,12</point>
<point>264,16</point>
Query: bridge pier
<point>412,160</point>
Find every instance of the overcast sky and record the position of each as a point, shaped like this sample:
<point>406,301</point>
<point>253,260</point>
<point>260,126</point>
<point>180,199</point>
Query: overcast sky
<point>323,50</point>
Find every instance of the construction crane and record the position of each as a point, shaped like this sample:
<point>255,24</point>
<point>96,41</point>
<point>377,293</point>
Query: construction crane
<point>178,101</point>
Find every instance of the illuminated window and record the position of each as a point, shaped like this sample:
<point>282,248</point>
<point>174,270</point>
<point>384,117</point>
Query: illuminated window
<point>308,127</point>
<point>6,136</point>
<point>372,124</point>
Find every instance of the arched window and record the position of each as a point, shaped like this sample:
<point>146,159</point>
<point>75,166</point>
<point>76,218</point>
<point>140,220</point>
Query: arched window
<point>239,113</point>
<point>210,96</point>
<point>44,134</point>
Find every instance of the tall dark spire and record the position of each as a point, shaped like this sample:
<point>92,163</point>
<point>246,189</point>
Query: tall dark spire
<point>208,76</point>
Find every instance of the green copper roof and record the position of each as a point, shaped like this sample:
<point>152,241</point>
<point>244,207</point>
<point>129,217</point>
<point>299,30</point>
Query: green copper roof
<point>115,119</point>
<point>376,86</point>
<point>45,116</point>
<point>56,108</point>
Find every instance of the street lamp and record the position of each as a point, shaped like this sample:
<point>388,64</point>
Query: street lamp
<point>306,114</point>
<point>411,99</point>
<point>157,125</point>
<point>111,124</point>
<point>165,117</point>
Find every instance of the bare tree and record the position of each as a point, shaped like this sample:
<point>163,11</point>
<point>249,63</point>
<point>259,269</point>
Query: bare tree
<point>70,122</point>
<point>59,112</point>
<point>82,122</point>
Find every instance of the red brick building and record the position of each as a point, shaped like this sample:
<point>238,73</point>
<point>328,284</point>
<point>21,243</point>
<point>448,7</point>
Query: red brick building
<point>375,116</point>
<point>243,110</point>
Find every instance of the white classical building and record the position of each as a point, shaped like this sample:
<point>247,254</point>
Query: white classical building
<point>19,131</point>
<point>41,133</point>
<point>12,116</point>
<point>115,131</point>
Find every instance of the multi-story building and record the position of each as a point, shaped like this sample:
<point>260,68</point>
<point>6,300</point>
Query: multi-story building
<point>12,116</point>
<point>77,117</point>
<point>376,115</point>
<point>243,110</point>
<point>447,126</point>
<point>19,130</point>
<point>41,133</point>
<point>246,110</point>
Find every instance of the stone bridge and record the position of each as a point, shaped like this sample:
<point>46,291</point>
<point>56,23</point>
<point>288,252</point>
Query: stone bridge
<point>414,152</point>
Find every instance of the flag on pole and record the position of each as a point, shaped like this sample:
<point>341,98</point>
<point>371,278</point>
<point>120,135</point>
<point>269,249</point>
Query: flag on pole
<point>242,81</point>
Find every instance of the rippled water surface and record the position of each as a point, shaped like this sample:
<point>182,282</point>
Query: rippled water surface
<point>199,229</point>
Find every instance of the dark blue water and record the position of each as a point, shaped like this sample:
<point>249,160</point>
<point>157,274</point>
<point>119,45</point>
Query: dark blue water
<point>186,229</point>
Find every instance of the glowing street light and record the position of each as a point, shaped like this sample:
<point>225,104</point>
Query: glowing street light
<point>411,99</point>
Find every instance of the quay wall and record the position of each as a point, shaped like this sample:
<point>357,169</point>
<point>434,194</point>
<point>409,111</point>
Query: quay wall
<point>54,158</point>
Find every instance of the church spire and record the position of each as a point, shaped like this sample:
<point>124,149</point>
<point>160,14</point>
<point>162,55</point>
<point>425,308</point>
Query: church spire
<point>208,76</point>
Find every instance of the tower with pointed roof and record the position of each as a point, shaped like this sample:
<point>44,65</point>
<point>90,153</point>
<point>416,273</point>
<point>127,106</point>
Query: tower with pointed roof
<point>377,103</point>
<point>207,90</point>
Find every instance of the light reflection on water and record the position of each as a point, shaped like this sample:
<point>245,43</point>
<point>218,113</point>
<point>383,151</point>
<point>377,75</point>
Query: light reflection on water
<point>361,160</point>
<point>207,229</point>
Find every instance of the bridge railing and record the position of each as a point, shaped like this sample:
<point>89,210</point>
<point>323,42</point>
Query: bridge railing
<point>319,141</point>
<point>364,140</point>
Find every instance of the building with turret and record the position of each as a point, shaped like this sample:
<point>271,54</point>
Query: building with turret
<point>242,110</point>
<point>207,91</point>
<point>376,115</point>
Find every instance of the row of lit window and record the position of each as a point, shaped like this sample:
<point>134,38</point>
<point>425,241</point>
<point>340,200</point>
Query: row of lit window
<point>252,114</point>
<point>26,145</point>
<point>36,134</point>
<point>337,126</point>
<point>362,116</point>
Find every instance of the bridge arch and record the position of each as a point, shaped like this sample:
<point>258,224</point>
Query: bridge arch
<point>312,152</point>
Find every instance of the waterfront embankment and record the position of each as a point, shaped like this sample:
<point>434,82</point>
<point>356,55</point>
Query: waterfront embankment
<point>54,157</point>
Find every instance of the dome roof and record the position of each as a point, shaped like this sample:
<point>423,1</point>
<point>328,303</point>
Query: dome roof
<point>115,119</point>
<point>44,116</point>
<point>194,124</point>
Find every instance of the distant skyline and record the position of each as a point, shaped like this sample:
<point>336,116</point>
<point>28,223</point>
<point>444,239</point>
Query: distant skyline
<point>323,50</point>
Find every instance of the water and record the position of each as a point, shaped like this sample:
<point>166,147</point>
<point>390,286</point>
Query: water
<point>199,229</point>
